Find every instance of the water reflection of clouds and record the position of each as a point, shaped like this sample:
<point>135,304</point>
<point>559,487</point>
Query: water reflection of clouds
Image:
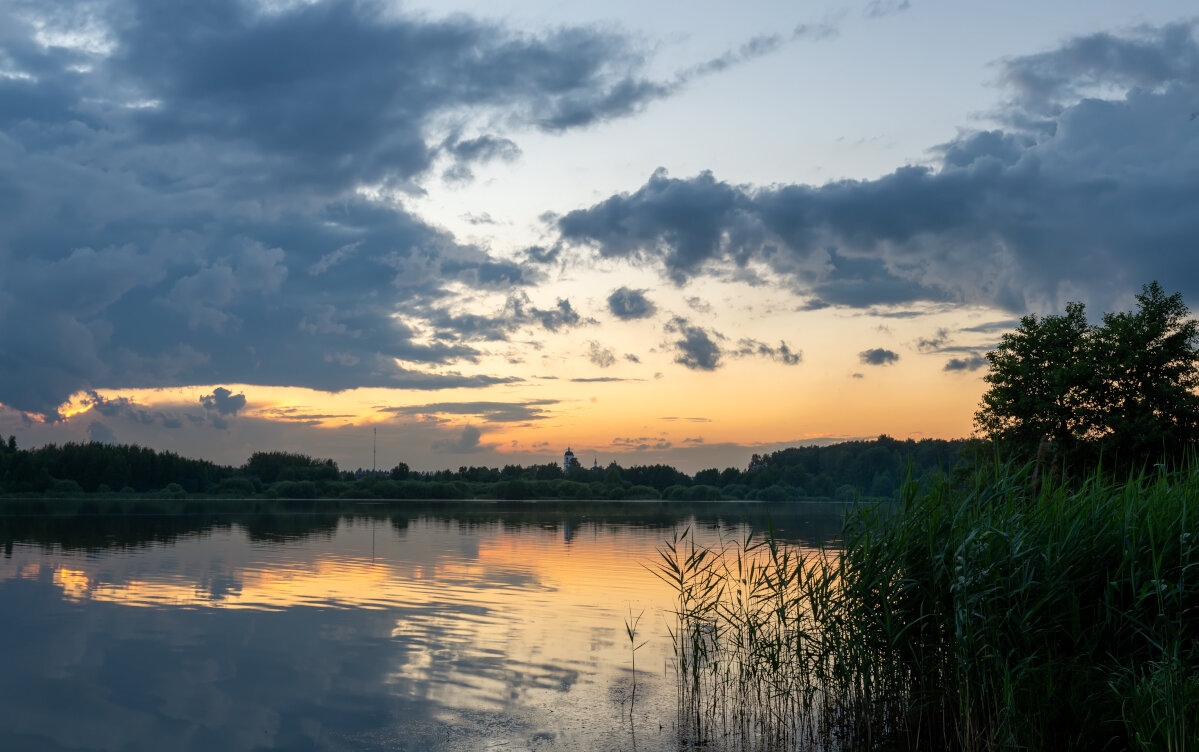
<point>435,642</point>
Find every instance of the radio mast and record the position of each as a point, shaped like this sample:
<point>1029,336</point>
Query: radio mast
<point>374,450</point>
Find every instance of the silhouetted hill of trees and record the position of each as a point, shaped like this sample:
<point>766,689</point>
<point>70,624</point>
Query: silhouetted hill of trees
<point>874,468</point>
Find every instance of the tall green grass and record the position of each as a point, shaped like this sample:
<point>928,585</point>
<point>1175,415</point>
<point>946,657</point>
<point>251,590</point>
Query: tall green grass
<point>971,616</point>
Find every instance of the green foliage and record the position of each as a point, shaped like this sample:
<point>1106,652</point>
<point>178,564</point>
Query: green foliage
<point>1040,381</point>
<point>270,467</point>
<point>1125,389</point>
<point>977,617</point>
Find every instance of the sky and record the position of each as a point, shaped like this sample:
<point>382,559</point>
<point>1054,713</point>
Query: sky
<point>476,233</point>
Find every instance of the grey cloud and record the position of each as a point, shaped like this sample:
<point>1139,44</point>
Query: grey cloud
<point>466,442</point>
<point>783,353</point>
<point>640,443</point>
<point>632,358</point>
<point>483,149</point>
<point>333,258</point>
<point>990,327</point>
<point>187,201</point>
<point>858,375</point>
<point>696,349</point>
<point>518,311</point>
<point>539,255</point>
<point>601,356</point>
<point>559,317</point>
<point>122,408</point>
<point>627,304</point>
<point>878,356</point>
<point>880,8</point>
<point>934,342</point>
<point>970,363</point>
<point>97,431</point>
<point>492,412</point>
<point>1144,58</point>
<point>223,401</point>
<point>1076,197</point>
<point>601,380</point>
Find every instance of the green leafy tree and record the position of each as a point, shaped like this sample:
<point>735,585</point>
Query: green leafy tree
<point>1126,388</point>
<point>1147,373</point>
<point>1040,382</point>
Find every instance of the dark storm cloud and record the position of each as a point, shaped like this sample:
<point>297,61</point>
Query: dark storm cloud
<point>179,187</point>
<point>1145,58</point>
<point>626,304</point>
<point>223,401</point>
<point>1076,196</point>
<point>696,349</point>
<point>878,357</point>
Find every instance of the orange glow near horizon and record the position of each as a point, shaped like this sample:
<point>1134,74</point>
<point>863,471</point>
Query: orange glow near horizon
<point>646,410</point>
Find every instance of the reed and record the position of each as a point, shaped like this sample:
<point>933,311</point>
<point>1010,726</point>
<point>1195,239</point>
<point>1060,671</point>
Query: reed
<point>970,616</point>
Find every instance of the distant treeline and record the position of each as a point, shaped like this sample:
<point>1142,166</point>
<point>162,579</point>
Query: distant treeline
<point>874,468</point>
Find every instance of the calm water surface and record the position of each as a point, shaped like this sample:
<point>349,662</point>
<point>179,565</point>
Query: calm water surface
<point>445,627</point>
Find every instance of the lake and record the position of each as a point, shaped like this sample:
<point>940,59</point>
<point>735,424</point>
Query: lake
<point>451,626</point>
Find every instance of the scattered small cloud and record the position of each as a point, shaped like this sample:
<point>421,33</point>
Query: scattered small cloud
<point>934,342</point>
<point>696,349</point>
<point>600,356</point>
<point>878,357</point>
<point>491,412</point>
<point>641,443</point>
<point>970,363</point>
<point>627,304</point>
<point>223,401</point>
<point>782,354</point>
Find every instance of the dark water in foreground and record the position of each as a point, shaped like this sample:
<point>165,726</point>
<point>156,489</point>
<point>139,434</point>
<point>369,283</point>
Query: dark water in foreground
<point>450,626</point>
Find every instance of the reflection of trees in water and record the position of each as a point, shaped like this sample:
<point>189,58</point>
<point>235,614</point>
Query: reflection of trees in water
<point>100,524</point>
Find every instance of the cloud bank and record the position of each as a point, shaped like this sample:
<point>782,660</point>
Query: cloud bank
<point>1086,190</point>
<point>212,193</point>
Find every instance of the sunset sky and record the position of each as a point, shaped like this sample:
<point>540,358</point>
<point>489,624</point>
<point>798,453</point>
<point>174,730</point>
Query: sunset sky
<point>492,230</point>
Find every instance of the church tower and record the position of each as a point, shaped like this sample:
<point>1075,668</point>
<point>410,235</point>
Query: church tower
<point>568,460</point>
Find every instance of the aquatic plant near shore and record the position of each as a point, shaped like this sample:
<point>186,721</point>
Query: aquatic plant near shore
<point>975,617</point>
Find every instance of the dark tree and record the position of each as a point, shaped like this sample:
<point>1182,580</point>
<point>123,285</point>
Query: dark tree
<point>1125,389</point>
<point>1039,380</point>
<point>1147,373</point>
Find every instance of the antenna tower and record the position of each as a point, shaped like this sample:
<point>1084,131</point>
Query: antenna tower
<point>374,450</point>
